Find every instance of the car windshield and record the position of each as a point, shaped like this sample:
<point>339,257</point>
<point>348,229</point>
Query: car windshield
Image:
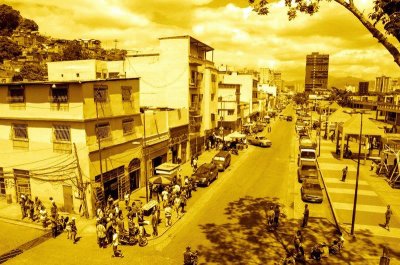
<point>219,158</point>
<point>313,186</point>
<point>308,154</point>
<point>262,138</point>
<point>309,167</point>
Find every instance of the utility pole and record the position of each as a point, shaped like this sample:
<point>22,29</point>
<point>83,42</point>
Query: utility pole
<point>145,154</point>
<point>81,186</point>
<point>115,44</point>
<point>99,150</point>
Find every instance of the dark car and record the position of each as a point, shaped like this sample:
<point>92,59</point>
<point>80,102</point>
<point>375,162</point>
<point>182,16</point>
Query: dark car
<point>222,160</point>
<point>205,174</point>
<point>307,169</point>
<point>311,190</point>
<point>289,118</point>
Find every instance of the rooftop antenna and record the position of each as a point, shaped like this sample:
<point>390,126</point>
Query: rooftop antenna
<point>115,46</point>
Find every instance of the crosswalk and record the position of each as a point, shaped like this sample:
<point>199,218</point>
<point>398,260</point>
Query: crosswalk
<point>370,208</point>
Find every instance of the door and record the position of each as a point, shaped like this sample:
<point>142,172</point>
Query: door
<point>68,201</point>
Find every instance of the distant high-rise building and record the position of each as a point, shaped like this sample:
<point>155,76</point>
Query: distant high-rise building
<point>363,88</point>
<point>266,76</point>
<point>383,84</point>
<point>316,72</point>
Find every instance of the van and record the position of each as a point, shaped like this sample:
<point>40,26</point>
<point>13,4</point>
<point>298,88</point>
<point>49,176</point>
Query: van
<point>222,160</point>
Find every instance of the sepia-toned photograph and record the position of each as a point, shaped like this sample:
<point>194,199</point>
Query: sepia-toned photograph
<point>200,132</point>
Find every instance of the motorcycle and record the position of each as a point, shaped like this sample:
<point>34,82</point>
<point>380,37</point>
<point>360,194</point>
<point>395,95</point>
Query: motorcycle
<point>133,238</point>
<point>316,252</point>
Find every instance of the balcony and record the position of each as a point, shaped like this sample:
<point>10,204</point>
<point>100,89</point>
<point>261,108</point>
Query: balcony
<point>389,107</point>
<point>195,109</point>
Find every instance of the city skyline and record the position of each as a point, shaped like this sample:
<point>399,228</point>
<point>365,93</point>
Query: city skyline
<point>235,32</point>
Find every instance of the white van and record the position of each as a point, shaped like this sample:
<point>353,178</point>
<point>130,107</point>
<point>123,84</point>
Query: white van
<point>307,155</point>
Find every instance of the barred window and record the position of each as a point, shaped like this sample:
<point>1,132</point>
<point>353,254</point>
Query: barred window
<point>62,133</point>
<point>16,94</point>
<point>100,93</point>
<point>20,131</point>
<point>126,92</point>
<point>59,94</point>
<point>103,130</point>
<point>127,126</point>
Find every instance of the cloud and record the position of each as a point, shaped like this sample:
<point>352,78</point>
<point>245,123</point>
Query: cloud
<point>239,36</point>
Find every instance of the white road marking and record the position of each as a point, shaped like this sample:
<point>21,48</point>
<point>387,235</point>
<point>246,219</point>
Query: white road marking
<point>348,181</point>
<point>351,191</point>
<point>360,207</point>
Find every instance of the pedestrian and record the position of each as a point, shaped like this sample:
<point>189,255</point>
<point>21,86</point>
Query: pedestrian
<point>53,226</point>
<point>344,173</point>
<point>154,222</point>
<point>101,234</point>
<point>183,200</point>
<point>53,210</point>
<point>142,223</point>
<point>388,214</point>
<point>306,214</point>
<point>127,198</point>
<point>22,202</point>
<point>277,212</point>
<point>74,230</point>
<point>194,164</point>
<point>168,215</point>
<point>115,243</point>
<point>372,166</point>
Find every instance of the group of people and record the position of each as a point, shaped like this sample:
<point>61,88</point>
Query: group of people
<point>36,211</point>
<point>273,215</point>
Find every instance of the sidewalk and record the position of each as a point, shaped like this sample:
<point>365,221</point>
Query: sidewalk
<point>374,194</point>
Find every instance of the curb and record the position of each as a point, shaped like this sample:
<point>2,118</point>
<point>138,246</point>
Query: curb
<point>21,222</point>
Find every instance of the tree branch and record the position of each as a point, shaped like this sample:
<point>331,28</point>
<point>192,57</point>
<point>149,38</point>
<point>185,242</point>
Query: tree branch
<point>377,34</point>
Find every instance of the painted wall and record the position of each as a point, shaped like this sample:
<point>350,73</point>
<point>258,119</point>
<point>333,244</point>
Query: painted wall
<point>77,70</point>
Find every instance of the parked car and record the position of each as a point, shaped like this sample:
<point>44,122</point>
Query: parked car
<point>222,160</point>
<point>259,127</point>
<point>311,190</point>
<point>205,174</point>
<point>259,140</point>
<point>307,170</point>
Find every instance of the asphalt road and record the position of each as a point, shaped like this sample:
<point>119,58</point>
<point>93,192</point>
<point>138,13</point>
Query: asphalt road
<point>225,221</point>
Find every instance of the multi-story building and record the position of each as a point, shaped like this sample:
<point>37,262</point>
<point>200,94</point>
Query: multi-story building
<point>180,74</point>
<point>317,66</point>
<point>71,140</point>
<point>363,88</point>
<point>383,84</point>
<point>229,111</point>
<point>248,90</point>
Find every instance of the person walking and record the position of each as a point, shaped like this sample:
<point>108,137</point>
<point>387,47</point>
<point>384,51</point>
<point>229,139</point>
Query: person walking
<point>115,243</point>
<point>277,212</point>
<point>344,173</point>
<point>101,234</point>
<point>154,222</point>
<point>74,230</point>
<point>388,214</point>
<point>168,215</point>
<point>306,214</point>
<point>126,198</point>
<point>194,164</point>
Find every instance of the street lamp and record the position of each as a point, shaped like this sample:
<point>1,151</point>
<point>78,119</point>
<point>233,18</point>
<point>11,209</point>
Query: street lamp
<point>357,175</point>
<point>143,109</point>
<point>319,135</point>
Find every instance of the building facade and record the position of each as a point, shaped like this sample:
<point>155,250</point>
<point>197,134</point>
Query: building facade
<point>317,66</point>
<point>71,140</point>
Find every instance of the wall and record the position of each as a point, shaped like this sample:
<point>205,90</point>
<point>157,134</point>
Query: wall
<point>68,70</point>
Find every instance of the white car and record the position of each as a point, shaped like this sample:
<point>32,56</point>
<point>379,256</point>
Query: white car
<point>259,140</point>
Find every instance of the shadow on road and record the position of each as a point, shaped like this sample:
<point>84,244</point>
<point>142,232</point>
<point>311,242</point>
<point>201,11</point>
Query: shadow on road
<point>245,239</point>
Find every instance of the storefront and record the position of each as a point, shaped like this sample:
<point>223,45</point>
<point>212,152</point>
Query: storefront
<point>178,143</point>
<point>196,145</point>
<point>134,174</point>
<point>155,155</point>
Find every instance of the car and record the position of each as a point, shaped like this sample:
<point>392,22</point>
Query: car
<point>289,118</point>
<point>222,160</point>
<point>205,174</point>
<point>307,170</point>
<point>311,190</point>
<point>259,140</point>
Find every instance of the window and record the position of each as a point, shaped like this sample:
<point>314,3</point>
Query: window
<point>126,92</point>
<point>62,133</point>
<point>2,183</point>
<point>59,94</point>
<point>127,126</point>
<point>20,131</point>
<point>77,74</point>
<point>98,75</point>
<point>103,130</point>
<point>213,78</point>
<point>231,112</point>
<point>16,94</point>
<point>100,93</point>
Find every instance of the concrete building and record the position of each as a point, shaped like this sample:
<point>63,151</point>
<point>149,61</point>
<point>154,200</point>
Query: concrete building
<point>363,88</point>
<point>383,84</point>
<point>248,90</point>
<point>317,66</point>
<point>71,140</point>
<point>229,111</point>
<point>77,70</point>
<point>180,74</point>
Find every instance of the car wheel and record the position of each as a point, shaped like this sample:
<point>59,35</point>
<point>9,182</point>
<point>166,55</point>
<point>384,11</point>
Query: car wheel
<point>208,183</point>
<point>216,176</point>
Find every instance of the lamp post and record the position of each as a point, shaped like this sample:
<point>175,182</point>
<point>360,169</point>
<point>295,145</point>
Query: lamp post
<point>357,176</point>
<point>99,150</point>
<point>145,154</point>
<point>319,135</point>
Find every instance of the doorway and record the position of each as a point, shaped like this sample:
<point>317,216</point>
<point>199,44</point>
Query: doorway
<point>68,200</point>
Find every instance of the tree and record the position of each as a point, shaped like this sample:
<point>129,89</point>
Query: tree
<point>300,98</point>
<point>33,72</point>
<point>8,49</point>
<point>9,20</point>
<point>74,51</point>
<point>341,96</point>
<point>386,13</point>
<point>29,24</point>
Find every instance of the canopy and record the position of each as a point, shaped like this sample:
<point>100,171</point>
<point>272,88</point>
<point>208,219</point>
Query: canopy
<point>352,126</point>
<point>236,135</point>
<point>160,179</point>
<point>339,115</point>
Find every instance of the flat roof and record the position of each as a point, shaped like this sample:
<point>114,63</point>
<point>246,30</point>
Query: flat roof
<point>66,81</point>
<point>192,41</point>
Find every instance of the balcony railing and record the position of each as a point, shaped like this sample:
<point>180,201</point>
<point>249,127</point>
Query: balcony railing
<point>389,107</point>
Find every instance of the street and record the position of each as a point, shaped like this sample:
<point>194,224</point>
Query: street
<point>225,222</point>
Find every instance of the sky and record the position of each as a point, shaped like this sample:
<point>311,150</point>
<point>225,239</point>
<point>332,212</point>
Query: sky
<point>240,37</point>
